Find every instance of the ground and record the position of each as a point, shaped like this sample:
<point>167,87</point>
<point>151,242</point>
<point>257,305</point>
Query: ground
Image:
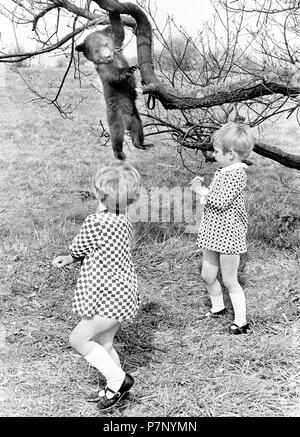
<point>183,365</point>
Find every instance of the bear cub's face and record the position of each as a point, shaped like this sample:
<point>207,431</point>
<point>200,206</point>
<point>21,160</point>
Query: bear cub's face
<point>98,47</point>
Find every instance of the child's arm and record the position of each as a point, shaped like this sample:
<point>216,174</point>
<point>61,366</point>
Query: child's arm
<point>87,240</point>
<point>222,195</point>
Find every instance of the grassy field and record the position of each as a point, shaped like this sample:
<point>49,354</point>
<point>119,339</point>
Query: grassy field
<point>183,365</point>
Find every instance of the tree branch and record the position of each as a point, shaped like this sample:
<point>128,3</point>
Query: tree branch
<point>42,14</point>
<point>143,35</point>
<point>221,85</point>
<point>286,159</point>
<point>171,98</point>
<point>225,93</point>
<point>71,7</point>
<point>117,30</point>
<point>61,42</point>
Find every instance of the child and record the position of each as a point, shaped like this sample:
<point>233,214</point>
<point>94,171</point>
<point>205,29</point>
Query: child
<point>106,291</point>
<point>222,233</point>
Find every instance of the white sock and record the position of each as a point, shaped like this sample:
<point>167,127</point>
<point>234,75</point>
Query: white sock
<point>103,362</point>
<point>115,356</point>
<point>239,306</point>
<point>217,303</point>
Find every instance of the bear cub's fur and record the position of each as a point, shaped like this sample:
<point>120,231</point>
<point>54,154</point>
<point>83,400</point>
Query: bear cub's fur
<point>118,87</point>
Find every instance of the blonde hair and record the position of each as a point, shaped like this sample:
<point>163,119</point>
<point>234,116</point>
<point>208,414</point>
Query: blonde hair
<point>117,186</point>
<point>234,136</point>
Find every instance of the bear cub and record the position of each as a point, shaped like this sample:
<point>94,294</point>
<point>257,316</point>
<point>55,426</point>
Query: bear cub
<point>118,88</point>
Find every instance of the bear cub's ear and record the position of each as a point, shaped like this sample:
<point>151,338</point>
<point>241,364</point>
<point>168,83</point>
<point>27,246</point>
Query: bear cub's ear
<point>80,47</point>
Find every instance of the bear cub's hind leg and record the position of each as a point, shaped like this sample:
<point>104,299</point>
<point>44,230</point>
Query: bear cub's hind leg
<point>117,132</point>
<point>134,125</point>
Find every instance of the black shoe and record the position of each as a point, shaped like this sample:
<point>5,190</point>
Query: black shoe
<point>105,404</point>
<point>236,330</point>
<point>94,396</point>
<point>211,314</point>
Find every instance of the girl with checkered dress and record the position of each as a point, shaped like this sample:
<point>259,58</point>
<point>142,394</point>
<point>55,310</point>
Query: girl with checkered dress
<point>223,229</point>
<point>106,292</point>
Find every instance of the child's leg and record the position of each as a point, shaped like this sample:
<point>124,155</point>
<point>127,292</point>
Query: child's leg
<point>106,339</point>
<point>209,271</point>
<point>229,267</point>
<point>81,339</point>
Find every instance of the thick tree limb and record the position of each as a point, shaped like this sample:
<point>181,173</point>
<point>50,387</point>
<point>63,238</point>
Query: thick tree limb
<point>171,98</point>
<point>285,83</point>
<point>117,29</point>
<point>143,35</point>
<point>274,153</point>
<point>224,93</point>
<point>286,159</point>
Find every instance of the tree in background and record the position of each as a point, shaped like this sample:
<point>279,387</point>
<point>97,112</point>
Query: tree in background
<point>244,65</point>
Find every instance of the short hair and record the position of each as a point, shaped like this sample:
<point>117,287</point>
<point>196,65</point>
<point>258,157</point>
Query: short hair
<point>117,186</point>
<point>234,136</point>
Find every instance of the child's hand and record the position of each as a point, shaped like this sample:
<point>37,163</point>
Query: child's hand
<point>62,261</point>
<point>196,184</point>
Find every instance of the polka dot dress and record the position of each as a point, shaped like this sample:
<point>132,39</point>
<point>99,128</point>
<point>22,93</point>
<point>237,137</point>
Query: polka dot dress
<point>107,283</point>
<point>224,225</point>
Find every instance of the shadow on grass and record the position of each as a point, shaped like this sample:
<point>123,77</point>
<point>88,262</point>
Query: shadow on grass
<point>135,341</point>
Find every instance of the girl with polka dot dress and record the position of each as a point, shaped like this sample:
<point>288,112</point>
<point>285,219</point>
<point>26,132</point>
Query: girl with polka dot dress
<point>223,229</point>
<point>106,292</point>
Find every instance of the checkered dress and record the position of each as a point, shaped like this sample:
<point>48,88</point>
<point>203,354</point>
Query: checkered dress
<point>224,225</point>
<point>107,283</point>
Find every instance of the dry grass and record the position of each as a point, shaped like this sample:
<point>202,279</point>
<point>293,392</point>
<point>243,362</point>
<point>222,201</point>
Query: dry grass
<point>183,365</point>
